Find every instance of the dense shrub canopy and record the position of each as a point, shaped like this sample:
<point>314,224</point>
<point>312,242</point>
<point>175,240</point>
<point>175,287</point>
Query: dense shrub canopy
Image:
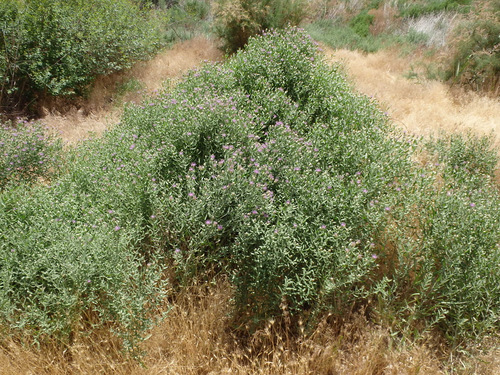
<point>58,47</point>
<point>271,170</point>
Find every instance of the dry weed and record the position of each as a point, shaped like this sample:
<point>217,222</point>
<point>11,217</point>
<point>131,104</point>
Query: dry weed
<point>197,337</point>
<point>420,107</point>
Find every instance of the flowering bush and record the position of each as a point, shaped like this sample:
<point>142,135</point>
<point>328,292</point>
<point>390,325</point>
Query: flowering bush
<point>271,170</point>
<point>27,152</point>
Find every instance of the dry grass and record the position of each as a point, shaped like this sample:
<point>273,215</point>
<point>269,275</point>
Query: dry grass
<point>422,107</point>
<point>79,119</point>
<point>197,337</point>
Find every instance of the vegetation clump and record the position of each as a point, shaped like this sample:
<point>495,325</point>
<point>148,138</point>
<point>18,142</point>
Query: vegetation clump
<point>28,152</point>
<point>58,47</point>
<point>476,62</point>
<point>237,20</point>
<point>271,170</point>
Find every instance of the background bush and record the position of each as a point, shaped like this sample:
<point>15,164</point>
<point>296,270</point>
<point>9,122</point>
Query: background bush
<point>476,63</point>
<point>237,20</point>
<point>55,47</point>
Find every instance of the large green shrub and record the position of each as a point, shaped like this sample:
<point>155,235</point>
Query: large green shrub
<point>58,47</point>
<point>271,170</point>
<point>274,171</point>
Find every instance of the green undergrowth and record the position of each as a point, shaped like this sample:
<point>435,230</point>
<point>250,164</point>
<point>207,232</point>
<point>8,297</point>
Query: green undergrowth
<point>335,34</point>
<point>57,48</point>
<point>271,170</point>
<point>476,62</point>
<point>185,19</point>
<point>422,7</point>
<point>28,153</point>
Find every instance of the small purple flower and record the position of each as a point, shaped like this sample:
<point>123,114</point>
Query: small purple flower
<point>473,205</point>
<point>219,227</point>
<point>117,228</point>
<point>323,226</point>
<point>153,217</point>
<point>132,146</point>
<point>342,224</point>
<point>374,256</point>
<point>387,208</point>
<point>177,251</point>
<point>208,222</point>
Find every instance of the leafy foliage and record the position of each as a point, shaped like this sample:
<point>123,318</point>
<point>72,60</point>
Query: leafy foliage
<point>27,152</point>
<point>270,169</point>
<point>447,237</point>
<point>476,63</point>
<point>361,23</point>
<point>58,47</point>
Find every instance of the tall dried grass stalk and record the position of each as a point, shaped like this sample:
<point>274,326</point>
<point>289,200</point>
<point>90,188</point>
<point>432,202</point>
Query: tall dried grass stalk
<point>198,337</point>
